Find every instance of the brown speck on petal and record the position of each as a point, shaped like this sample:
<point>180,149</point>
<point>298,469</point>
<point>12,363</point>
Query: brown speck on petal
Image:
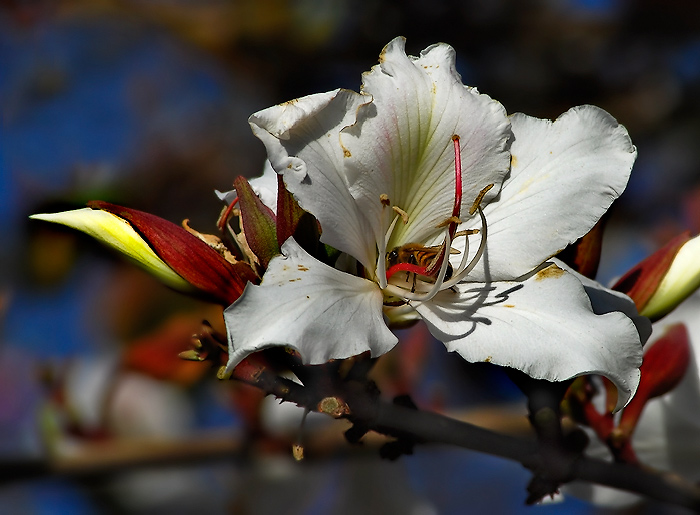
<point>551,272</point>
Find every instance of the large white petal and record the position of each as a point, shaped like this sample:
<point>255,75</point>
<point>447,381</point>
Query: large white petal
<point>402,146</point>
<point>302,138</point>
<point>302,303</point>
<point>543,326</point>
<point>604,300</point>
<point>564,176</point>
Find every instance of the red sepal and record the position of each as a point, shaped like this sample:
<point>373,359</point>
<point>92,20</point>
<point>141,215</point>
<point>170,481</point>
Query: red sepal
<point>259,223</point>
<point>191,258</point>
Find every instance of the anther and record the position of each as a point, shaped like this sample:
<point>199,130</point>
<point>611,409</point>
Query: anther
<point>384,199</point>
<point>466,232</point>
<point>458,181</point>
<point>448,221</point>
<point>404,214</point>
<point>479,198</point>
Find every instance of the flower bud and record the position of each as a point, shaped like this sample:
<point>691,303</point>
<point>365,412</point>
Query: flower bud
<point>176,257</point>
<point>118,234</point>
<point>665,279</point>
<point>665,364</point>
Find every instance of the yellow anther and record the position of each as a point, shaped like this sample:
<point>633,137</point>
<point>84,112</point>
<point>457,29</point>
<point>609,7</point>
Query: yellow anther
<point>448,221</point>
<point>466,232</point>
<point>479,198</point>
<point>404,214</point>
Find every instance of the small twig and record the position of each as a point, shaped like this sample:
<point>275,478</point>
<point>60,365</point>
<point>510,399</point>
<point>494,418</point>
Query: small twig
<point>373,414</point>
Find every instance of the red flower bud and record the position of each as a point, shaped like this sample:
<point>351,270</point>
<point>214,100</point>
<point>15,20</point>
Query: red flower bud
<point>191,258</point>
<point>664,365</point>
<point>641,282</point>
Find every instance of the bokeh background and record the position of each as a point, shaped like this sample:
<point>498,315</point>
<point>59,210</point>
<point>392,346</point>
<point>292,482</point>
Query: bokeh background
<point>145,103</point>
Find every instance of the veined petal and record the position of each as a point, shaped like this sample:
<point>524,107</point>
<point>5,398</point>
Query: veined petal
<point>402,145</point>
<point>302,138</point>
<point>302,303</point>
<point>544,326</point>
<point>564,175</point>
<point>121,236</point>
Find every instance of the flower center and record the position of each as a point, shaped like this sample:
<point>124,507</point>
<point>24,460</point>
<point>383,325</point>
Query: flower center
<point>415,272</point>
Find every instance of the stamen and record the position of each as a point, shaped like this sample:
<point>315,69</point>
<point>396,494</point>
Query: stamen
<point>463,261</point>
<point>387,236</point>
<point>466,232</point>
<point>458,185</point>
<point>441,275</point>
<point>381,258</point>
<point>479,198</point>
<point>404,214</point>
<point>448,221</point>
<point>442,259</point>
<point>461,272</point>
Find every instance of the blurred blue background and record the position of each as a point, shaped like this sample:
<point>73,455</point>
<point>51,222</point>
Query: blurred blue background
<point>145,104</point>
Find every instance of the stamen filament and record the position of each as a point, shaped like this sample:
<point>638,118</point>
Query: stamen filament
<point>459,275</point>
<point>458,185</point>
<point>465,256</point>
<point>441,275</point>
<point>226,214</point>
<point>381,258</point>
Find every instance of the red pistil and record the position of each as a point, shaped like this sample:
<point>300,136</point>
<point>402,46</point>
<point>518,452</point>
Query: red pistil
<point>227,214</point>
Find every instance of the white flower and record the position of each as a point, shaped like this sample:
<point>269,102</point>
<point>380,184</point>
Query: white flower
<point>379,170</point>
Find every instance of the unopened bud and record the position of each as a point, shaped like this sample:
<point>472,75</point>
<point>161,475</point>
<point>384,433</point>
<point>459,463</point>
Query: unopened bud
<point>665,363</point>
<point>665,279</point>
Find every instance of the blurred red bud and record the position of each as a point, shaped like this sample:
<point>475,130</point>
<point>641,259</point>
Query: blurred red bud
<point>665,363</point>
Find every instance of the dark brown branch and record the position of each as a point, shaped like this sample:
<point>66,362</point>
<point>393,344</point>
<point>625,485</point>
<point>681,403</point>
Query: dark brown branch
<point>374,414</point>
